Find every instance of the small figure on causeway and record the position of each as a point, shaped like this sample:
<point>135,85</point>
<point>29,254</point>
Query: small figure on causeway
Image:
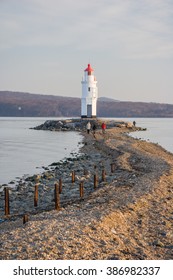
<point>103,127</point>
<point>88,127</point>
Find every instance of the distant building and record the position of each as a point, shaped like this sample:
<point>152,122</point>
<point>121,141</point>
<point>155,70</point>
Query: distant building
<point>89,94</point>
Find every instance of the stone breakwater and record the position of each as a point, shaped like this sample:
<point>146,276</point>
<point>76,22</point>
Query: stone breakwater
<point>80,124</point>
<point>128,215</point>
<point>85,165</point>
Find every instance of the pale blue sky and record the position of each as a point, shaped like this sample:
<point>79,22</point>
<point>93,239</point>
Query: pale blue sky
<point>46,44</point>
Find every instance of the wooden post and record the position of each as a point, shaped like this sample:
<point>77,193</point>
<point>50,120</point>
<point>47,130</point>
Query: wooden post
<point>112,167</point>
<point>85,172</point>
<point>73,176</point>
<point>57,197</point>
<point>81,189</point>
<point>95,181</point>
<point>25,219</point>
<point>7,202</point>
<point>36,196</point>
<point>60,186</point>
<point>103,175</point>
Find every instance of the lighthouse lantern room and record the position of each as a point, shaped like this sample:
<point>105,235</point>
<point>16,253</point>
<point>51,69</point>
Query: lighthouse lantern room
<point>89,94</point>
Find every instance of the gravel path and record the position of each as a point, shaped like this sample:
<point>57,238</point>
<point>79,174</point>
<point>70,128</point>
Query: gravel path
<point>127,216</point>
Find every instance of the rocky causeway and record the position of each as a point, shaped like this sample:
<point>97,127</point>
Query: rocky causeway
<point>125,211</point>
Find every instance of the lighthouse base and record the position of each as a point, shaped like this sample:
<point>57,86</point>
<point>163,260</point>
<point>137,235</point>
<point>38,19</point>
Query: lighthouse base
<point>87,117</point>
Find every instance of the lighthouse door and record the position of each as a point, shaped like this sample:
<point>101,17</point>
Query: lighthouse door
<point>89,111</point>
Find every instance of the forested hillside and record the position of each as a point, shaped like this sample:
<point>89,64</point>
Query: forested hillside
<point>14,104</point>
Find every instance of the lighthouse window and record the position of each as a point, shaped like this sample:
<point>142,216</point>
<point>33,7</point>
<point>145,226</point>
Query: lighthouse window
<point>89,89</point>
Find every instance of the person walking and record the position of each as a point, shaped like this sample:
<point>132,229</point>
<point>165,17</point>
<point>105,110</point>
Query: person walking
<point>94,129</point>
<point>88,127</point>
<point>103,127</point>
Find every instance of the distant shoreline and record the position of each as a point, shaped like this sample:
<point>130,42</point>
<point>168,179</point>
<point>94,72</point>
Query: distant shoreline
<point>22,104</point>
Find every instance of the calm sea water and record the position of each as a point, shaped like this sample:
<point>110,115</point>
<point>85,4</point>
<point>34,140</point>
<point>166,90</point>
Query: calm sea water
<point>159,130</point>
<point>25,151</point>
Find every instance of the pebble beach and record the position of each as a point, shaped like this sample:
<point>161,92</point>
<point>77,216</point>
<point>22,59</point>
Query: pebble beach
<point>126,215</point>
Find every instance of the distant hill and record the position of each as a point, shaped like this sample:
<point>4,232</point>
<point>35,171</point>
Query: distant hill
<point>22,104</point>
<point>106,99</point>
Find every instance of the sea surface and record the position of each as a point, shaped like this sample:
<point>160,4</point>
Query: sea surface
<point>25,151</point>
<point>158,130</point>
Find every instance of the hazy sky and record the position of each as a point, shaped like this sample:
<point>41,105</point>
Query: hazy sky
<point>45,45</point>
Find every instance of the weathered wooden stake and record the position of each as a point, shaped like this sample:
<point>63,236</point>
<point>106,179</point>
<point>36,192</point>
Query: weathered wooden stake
<point>112,167</point>
<point>73,176</point>
<point>60,186</point>
<point>7,202</point>
<point>85,172</point>
<point>95,180</point>
<point>25,219</point>
<point>36,196</point>
<point>57,197</point>
<point>103,175</point>
<point>81,189</point>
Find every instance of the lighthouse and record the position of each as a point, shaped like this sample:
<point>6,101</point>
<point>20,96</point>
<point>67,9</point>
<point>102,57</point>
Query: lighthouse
<point>89,94</point>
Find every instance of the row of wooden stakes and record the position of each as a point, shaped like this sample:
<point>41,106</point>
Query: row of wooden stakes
<point>57,192</point>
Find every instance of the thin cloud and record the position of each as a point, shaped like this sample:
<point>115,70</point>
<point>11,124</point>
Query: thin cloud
<point>131,29</point>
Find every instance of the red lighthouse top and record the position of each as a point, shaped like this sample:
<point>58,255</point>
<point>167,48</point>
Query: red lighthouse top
<point>89,69</point>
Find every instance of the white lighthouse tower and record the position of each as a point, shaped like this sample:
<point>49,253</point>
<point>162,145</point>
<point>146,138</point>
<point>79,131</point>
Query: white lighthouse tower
<point>89,94</point>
